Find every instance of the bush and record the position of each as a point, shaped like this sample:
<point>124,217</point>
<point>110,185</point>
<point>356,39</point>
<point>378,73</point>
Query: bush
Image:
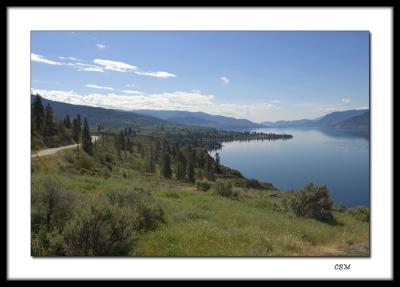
<point>225,189</point>
<point>101,229</point>
<point>51,205</point>
<point>203,185</point>
<point>360,212</point>
<point>105,225</point>
<point>85,161</point>
<point>311,201</point>
<point>338,207</point>
<point>69,157</point>
<point>109,225</point>
<point>148,212</point>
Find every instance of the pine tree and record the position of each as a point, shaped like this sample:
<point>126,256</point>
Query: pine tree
<point>190,171</point>
<point>201,158</point>
<point>67,122</point>
<point>87,144</point>
<point>166,170</point>
<point>181,166</point>
<point>49,119</point>
<point>152,164</point>
<point>76,129</point>
<point>37,114</point>
<point>157,151</point>
<point>217,161</point>
<point>121,141</point>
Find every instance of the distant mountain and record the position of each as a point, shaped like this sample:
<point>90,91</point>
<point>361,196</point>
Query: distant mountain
<point>106,117</point>
<point>336,118</point>
<point>199,119</point>
<point>350,118</point>
<point>361,120</point>
<point>297,123</point>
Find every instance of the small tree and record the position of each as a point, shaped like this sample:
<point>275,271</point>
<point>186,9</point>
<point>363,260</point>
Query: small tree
<point>166,166</point>
<point>181,166</point>
<point>76,128</point>
<point>87,144</point>
<point>152,164</point>
<point>67,122</point>
<point>37,114</point>
<point>190,171</point>
<point>217,161</point>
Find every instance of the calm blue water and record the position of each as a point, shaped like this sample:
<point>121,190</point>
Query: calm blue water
<point>337,158</point>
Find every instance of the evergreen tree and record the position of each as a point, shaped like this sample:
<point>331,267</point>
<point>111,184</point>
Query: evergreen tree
<point>67,122</point>
<point>166,170</point>
<point>217,161</point>
<point>76,129</point>
<point>157,151</point>
<point>152,164</point>
<point>121,140</point>
<point>180,165</point>
<point>190,171</point>
<point>201,158</point>
<point>87,144</point>
<point>37,114</point>
<point>48,123</point>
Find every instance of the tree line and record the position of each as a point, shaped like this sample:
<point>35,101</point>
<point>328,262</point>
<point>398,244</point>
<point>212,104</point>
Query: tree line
<point>47,131</point>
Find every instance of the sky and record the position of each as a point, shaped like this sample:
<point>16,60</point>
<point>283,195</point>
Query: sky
<point>260,76</point>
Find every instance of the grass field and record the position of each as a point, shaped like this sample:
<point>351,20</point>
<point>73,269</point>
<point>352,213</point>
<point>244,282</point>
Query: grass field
<point>201,223</point>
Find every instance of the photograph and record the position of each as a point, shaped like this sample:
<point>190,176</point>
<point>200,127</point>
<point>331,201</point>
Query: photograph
<point>200,143</point>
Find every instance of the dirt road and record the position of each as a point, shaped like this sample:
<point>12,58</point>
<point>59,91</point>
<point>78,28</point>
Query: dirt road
<point>50,151</point>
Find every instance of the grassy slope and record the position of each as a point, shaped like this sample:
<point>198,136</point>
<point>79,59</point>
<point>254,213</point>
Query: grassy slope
<point>205,224</point>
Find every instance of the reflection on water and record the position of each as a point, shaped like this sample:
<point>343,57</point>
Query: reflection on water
<point>338,158</point>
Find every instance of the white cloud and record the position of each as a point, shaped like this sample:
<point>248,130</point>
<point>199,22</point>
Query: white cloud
<point>179,100</point>
<point>346,100</point>
<point>276,101</point>
<point>156,74</point>
<point>99,87</point>
<point>86,67</point>
<point>225,80</point>
<point>91,69</point>
<point>41,59</point>
<point>129,85</point>
<point>70,58</point>
<point>132,92</point>
<point>114,65</point>
<point>101,46</point>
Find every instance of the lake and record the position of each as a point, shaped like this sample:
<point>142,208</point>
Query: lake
<point>338,158</point>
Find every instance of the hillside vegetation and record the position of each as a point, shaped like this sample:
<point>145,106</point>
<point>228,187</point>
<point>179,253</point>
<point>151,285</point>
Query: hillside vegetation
<point>157,192</point>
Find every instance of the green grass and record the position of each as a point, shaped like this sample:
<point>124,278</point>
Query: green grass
<point>205,224</point>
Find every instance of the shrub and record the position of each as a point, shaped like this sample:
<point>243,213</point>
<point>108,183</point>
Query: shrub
<point>70,158</point>
<point>311,201</point>
<point>148,212</point>
<point>85,161</point>
<point>51,205</point>
<point>338,207</point>
<point>100,229</point>
<point>360,212</point>
<point>106,225</point>
<point>109,225</point>
<point>203,185</point>
<point>225,189</point>
<point>210,176</point>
